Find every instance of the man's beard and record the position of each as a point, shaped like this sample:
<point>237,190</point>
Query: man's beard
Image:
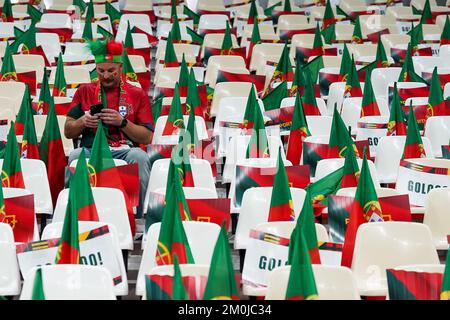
<point>110,83</point>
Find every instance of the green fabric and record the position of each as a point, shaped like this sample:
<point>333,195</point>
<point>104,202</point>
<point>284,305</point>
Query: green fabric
<point>445,289</point>
<point>227,43</point>
<point>221,282</point>
<point>426,13</point>
<point>8,70</point>
<point>51,133</point>
<point>346,63</point>
<point>339,136</point>
<point>38,286</point>
<point>436,96</point>
<point>357,33</point>
<point>60,79</point>
<point>25,106</point>
<point>446,31</point>
<point>273,99</point>
<point>183,80</point>
<point>298,117</point>
<point>178,289</point>
<point>250,108</point>
<point>11,165</point>
<point>412,134</point>
<point>170,55</point>
<point>128,37</point>
<point>258,140</point>
<point>28,39</point>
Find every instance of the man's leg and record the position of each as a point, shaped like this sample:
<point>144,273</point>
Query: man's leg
<point>137,155</point>
<point>74,156</point>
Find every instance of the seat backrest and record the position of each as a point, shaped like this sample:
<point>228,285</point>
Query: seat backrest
<point>437,216</point>
<point>14,91</point>
<point>159,138</point>
<point>437,129</point>
<point>383,245</point>
<point>225,63</point>
<point>202,237</point>
<point>9,268</point>
<point>212,21</point>
<point>229,89</point>
<point>255,209</point>
<point>389,153</point>
<point>193,193</point>
<point>290,101</point>
<point>336,95</point>
<point>426,63</point>
<point>111,208</point>
<point>332,282</point>
<point>262,53</point>
<point>327,166</point>
<point>381,78</point>
<point>71,282</point>
<point>54,230</point>
<point>381,192</point>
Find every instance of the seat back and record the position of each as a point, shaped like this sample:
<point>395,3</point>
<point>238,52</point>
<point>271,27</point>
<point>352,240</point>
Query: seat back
<point>437,129</point>
<point>383,245</point>
<point>9,268</point>
<point>159,138</point>
<point>381,78</point>
<point>332,283</point>
<point>54,230</point>
<point>255,210</point>
<point>196,233</point>
<point>111,208</point>
<point>229,89</point>
<point>71,282</point>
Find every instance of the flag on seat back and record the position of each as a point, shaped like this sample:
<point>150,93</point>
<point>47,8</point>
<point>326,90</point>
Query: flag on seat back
<point>179,291</point>
<point>381,57</point>
<point>12,169</point>
<point>183,79</point>
<point>281,205</point>
<point>340,139</point>
<point>7,12</point>
<point>104,173</point>
<point>366,208</point>
<point>445,36</point>
<point>221,283</point>
<point>51,151</point>
<point>258,147</point>
<point>301,283</point>
<point>172,237</point>
<point>396,124</point>
<point>407,74</point>
<point>369,105</point>
<point>352,85</point>
<point>250,109</point>
<point>25,108</point>
<point>127,68</point>
<point>274,97</point>
<point>114,15</point>
<point>427,17</point>
<point>283,70</point>
<point>346,64</point>
<point>175,121</point>
<point>170,57</point>
<point>436,103</point>
<point>445,289</point>
<point>413,285</point>
<point>29,148</point>
<point>44,96</point>
<point>329,33</point>
<point>413,144</point>
<point>60,86</point>
<point>8,71</point>
<point>328,16</point>
<point>193,100</point>
<point>252,13</point>
<point>357,37</point>
<point>298,132</point>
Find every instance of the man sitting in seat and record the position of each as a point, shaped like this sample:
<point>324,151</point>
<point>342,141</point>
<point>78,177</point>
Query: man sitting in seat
<point>126,113</point>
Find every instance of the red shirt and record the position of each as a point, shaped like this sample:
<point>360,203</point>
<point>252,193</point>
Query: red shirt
<point>136,108</point>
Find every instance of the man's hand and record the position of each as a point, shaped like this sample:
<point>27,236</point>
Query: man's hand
<point>90,121</point>
<point>111,117</point>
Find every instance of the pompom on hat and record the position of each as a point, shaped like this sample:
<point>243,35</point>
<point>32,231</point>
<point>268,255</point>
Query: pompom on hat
<point>106,51</point>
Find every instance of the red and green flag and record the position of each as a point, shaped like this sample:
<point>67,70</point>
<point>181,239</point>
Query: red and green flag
<point>369,105</point>
<point>170,57</point>
<point>227,43</point>
<point>306,225</point>
<point>283,70</point>
<point>309,98</point>
<point>172,237</point>
<point>298,132</point>
<point>302,54</point>
<point>127,68</point>
<point>445,36</point>
<point>258,146</point>
<point>340,138</point>
<point>407,74</point>
<point>25,108</point>
<point>175,121</point>
<point>175,30</point>
<point>301,283</point>
<point>195,16</point>
<point>313,67</point>
<point>7,12</point>
<point>183,162</point>
<point>80,206</point>
<point>352,85</point>
<point>436,103</point>
<point>281,205</point>
<point>357,33</point>
<point>396,124</point>
<point>427,16</point>
<point>413,145</point>
<point>87,30</point>
<point>60,86</point>
<point>38,286</point>
<point>298,82</point>
<point>44,95</point>
<point>413,285</point>
<point>250,110</point>
<point>381,57</point>
<point>103,171</point>
<point>29,148</point>
<point>350,174</point>
<point>346,64</point>
<point>329,33</point>
<point>51,151</point>
<point>366,208</point>
<point>12,169</point>
<point>191,141</point>
<point>128,42</point>
<point>253,13</point>
<point>254,40</point>
<point>273,98</point>
<point>114,15</point>
<point>221,284</point>
<point>328,16</point>
<point>105,33</point>
<point>193,101</point>
<point>183,80</point>
<point>8,71</point>
<point>445,290</point>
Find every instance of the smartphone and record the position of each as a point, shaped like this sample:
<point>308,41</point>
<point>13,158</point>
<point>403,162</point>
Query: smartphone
<point>96,108</point>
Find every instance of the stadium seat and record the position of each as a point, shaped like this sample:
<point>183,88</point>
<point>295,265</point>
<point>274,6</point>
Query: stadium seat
<point>437,130</point>
<point>9,268</point>
<point>159,138</point>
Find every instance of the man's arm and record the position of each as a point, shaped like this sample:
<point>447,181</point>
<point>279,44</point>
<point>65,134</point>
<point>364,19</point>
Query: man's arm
<point>74,127</point>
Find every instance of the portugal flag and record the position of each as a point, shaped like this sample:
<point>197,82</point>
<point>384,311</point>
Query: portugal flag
<point>281,205</point>
<point>346,64</point>
<point>103,171</point>
<point>298,132</point>
<point>381,57</point>
<point>170,57</point>
<point>306,225</point>
<point>408,74</point>
<point>396,124</point>
<point>25,108</point>
<point>340,138</point>
<point>7,12</point>
<point>12,170</point>
<point>436,103</point>
<point>172,237</point>
<point>328,16</point>
<point>357,37</point>
<point>369,105</point>
<point>221,283</point>
<point>283,70</point>
<point>250,110</point>
<point>60,86</point>
<point>29,147</point>
<point>301,284</point>
<point>178,289</point>
<point>352,85</point>
<point>8,71</point>
<point>44,96</point>
<point>51,151</point>
<point>445,290</point>
<point>38,286</point>
<point>413,145</point>
<point>366,208</point>
<point>175,120</point>
<point>445,36</point>
<point>258,146</point>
